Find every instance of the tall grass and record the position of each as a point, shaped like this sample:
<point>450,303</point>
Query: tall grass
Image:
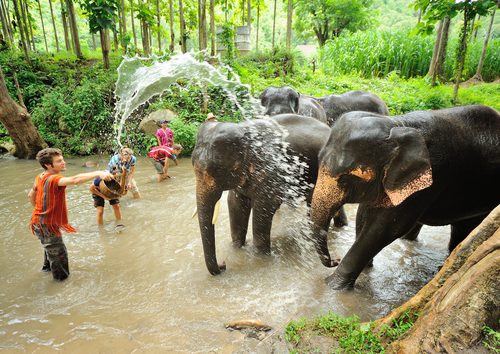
<point>376,54</point>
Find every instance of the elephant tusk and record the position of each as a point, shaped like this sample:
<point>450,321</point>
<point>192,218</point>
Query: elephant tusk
<point>216,212</point>
<point>195,211</point>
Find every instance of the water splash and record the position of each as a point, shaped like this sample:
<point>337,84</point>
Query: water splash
<point>140,79</point>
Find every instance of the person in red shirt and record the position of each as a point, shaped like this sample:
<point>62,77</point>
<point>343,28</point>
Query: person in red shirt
<point>50,215</point>
<point>159,157</point>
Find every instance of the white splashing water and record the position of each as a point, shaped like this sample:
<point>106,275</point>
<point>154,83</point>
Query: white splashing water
<point>140,79</point>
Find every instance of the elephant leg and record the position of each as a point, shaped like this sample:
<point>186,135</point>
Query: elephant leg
<point>239,213</point>
<point>460,230</point>
<point>262,220</point>
<point>340,218</point>
<point>413,234</point>
<point>379,227</point>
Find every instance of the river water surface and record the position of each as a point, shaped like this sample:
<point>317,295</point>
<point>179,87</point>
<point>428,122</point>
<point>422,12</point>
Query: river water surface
<point>146,289</point>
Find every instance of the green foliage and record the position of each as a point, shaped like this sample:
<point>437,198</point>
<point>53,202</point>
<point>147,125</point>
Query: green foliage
<point>351,336</point>
<point>226,40</point>
<point>399,326</point>
<point>101,14</point>
<point>329,18</point>
<point>492,339</point>
<point>292,330</point>
<point>377,54</point>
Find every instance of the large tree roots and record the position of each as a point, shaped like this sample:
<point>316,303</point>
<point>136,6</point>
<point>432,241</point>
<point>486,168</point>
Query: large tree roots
<point>455,305</point>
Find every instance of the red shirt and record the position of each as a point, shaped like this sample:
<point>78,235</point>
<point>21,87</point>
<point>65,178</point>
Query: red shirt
<point>160,152</point>
<point>50,204</point>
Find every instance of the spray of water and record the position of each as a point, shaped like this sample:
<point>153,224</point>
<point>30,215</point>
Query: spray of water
<point>140,79</point>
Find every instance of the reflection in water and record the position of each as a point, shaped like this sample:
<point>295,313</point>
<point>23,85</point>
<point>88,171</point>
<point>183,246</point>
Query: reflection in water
<point>147,289</point>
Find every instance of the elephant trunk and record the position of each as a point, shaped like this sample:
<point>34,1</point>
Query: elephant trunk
<point>207,195</point>
<point>327,199</point>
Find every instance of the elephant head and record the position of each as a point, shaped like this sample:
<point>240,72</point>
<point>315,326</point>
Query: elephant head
<point>368,159</point>
<point>280,100</point>
<point>218,161</point>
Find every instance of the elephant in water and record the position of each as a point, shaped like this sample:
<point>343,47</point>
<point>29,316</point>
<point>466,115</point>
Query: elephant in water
<point>336,105</point>
<point>429,167</point>
<point>280,100</point>
<point>263,163</point>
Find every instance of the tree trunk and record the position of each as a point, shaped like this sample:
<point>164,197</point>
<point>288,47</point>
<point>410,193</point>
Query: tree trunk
<point>478,76</point>
<point>43,26</point>
<point>94,45</point>
<point>462,51</point>
<point>289,25</point>
<point>443,44</point>
<point>64,18</point>
<point>115,39</point>
<point>104,34</point>
<point>274,24</point>
<point>123,18</point>
<point>435,53</point>
<point>145,38</point>
<point>5,24</point>
<point>171,25</point>
<point>24,43</point>
<point>257,30</point>
<point>158,22</point>
<point>212,28</point>
<point>463,297</point>
<point>133,24</point>
<point>182,27</point>
<point>121,34</point>
<point>249,15</point>
<point>9,21</point>
<point>17,121</point>
<point>22,5</point>
<point>74,29</point>
<point>54,25</point>
<point>202,24</point>
<point>30,25</point>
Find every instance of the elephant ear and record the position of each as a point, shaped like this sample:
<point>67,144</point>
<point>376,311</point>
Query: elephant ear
<point>409,170</point>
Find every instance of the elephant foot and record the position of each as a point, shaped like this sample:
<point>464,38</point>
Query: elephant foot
<point>216,270</point>
<point>338,282</point>
<point>238,244</point>
<point>330,263</point>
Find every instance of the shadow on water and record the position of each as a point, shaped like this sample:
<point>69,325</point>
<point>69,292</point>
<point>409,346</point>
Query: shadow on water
<point>146,289</point>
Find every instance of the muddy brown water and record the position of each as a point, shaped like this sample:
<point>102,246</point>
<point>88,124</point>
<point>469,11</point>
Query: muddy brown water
<point>146,289</point>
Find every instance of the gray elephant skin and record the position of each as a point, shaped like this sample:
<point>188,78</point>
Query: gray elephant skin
<point>281,100</point>
<point>263,163</point>
<point>428,167</point>
<point>336,105</point>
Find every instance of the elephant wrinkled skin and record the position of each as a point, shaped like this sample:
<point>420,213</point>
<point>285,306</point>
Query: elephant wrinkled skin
<point>429,167</point>
<point>263,163</point>
<point>336,105</point>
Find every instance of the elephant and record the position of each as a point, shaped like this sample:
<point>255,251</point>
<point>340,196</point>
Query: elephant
<point>427,167</point>
<point>281,100</point>
<point>336,105</point>
<point>263,163</point>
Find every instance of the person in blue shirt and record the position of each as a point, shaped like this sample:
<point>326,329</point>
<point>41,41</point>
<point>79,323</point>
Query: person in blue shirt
<point>125,160</point>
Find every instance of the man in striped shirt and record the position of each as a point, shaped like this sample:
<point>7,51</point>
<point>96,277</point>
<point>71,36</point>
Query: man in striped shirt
<point>159,157</point>
<point>50,215</point>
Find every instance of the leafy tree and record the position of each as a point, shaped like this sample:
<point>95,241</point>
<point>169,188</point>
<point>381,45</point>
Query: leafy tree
<point>436,10</point>
<point>101,15</point>
<point>329,18</point>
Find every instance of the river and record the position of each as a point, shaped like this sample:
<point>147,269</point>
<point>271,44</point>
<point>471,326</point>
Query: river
<point>146,289</point>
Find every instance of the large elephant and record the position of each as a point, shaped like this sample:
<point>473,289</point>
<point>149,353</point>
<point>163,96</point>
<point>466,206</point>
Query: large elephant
<point>281,100</point>
<point>429,167</point>
<point>336,105</point>
<point>263,163</point>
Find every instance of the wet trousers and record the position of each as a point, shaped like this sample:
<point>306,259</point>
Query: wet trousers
<point>55,253</point>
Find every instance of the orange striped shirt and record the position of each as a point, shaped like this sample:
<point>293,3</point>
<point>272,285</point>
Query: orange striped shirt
<point>50,204</point>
